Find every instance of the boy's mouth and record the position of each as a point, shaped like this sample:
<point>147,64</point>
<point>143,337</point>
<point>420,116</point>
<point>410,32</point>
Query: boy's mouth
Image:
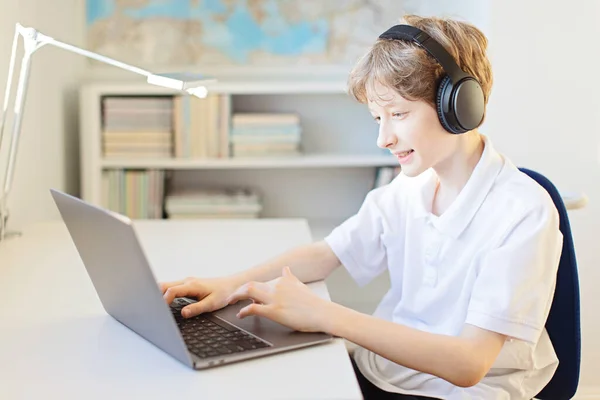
<point>403,153</point>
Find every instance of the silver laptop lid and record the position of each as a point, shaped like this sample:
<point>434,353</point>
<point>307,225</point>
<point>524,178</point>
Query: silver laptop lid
<point>120,273</point>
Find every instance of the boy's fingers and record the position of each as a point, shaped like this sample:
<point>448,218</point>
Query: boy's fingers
<point>287,273</point>
<point>177,291</point>
<point>290,277</point>
<point>165,285</point>
<point>260,310</point>
<point>251,290</point>
<point>205,305</point>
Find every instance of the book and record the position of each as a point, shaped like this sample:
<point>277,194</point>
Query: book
<point>134,193</point>
<point>213,202</point>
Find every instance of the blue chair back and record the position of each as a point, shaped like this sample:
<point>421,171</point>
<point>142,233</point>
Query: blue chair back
<point>563,323</point>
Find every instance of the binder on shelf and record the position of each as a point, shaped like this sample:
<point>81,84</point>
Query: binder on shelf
<point>213,203</point>
<point>201,126</point>
<point>135,193</point>
<point>265,134</point>
<point>137,126</point>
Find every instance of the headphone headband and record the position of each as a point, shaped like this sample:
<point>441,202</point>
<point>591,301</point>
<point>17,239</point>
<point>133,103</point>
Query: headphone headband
<point>459,100</point>
<point>436,50</point>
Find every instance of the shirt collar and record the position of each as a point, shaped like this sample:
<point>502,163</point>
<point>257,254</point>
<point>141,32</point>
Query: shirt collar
<point>462,210</point>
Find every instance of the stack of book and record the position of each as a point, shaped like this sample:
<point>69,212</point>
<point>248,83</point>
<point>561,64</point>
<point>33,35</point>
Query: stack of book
<point>201,126</point>
<point>135,193</point>
<point>385,175</point>
<point>264,134</point>
<point>213,203</point>
<point>137,126</point>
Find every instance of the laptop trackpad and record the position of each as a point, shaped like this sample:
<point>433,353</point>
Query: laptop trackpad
<point>266,329</point>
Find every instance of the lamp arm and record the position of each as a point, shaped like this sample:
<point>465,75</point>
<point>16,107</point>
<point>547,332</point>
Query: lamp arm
<point>43,39</point>
<point>30,45</point>
<point>32,41</point>
<point>11,70</point>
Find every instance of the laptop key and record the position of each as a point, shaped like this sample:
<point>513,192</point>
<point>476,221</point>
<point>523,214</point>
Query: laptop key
<point>235,348</point>
<point>225,325</point>
<point>246,345</point>
<point>258,343</point>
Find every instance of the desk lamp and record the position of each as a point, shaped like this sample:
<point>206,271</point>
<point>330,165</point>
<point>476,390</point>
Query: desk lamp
<point>32,40</point>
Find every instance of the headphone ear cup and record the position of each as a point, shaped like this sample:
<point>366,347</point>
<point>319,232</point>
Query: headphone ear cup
<point>443,88</point>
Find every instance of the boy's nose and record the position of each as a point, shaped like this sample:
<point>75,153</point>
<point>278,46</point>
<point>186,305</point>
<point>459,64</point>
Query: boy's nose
<point>386,138</point>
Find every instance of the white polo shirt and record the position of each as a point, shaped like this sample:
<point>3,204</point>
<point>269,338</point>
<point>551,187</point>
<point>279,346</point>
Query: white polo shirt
<point>489,260</point>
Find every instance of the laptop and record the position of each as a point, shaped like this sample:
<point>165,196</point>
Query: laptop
<point>118,268</point>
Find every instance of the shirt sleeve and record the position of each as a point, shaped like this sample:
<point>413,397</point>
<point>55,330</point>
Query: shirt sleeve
<point>357,242</point>
<point>515,286</point>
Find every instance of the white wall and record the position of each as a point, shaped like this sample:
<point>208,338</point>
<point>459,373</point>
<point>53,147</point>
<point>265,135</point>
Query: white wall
<point>543,113</point>
<point>48,146</point>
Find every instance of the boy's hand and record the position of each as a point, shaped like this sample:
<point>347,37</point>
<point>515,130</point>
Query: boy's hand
<point>211,293</point>
<point>285,300</point>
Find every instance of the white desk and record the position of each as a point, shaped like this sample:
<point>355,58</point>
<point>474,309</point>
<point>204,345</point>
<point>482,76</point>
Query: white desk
<point>57,342</point>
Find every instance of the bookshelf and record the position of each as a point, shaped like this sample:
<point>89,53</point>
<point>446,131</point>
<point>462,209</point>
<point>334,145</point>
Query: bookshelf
<point>325,184</point>
<point>307,161</point>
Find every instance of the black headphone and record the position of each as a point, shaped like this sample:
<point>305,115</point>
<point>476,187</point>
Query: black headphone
<point>460,102</point>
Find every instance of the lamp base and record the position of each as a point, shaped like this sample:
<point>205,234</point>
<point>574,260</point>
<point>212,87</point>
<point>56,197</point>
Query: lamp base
<point>10,235</point>
<point>7,235</point>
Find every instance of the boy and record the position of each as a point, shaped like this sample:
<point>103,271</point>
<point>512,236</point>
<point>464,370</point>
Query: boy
<point>471,244</point>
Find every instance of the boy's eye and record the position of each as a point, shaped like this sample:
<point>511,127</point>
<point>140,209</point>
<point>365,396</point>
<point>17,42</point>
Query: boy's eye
<point>395,115</point>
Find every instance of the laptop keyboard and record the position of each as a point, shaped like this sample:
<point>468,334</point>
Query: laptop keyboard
<point>206,338</point>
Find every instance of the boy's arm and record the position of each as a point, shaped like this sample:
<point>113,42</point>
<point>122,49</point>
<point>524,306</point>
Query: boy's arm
<point>312,262</point>
<point>462,361</point>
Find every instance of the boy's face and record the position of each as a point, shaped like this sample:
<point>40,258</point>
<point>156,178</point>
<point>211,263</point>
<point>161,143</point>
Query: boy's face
<point>410,130</point>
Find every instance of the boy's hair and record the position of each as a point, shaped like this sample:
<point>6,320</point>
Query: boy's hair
<point>411,71</point>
